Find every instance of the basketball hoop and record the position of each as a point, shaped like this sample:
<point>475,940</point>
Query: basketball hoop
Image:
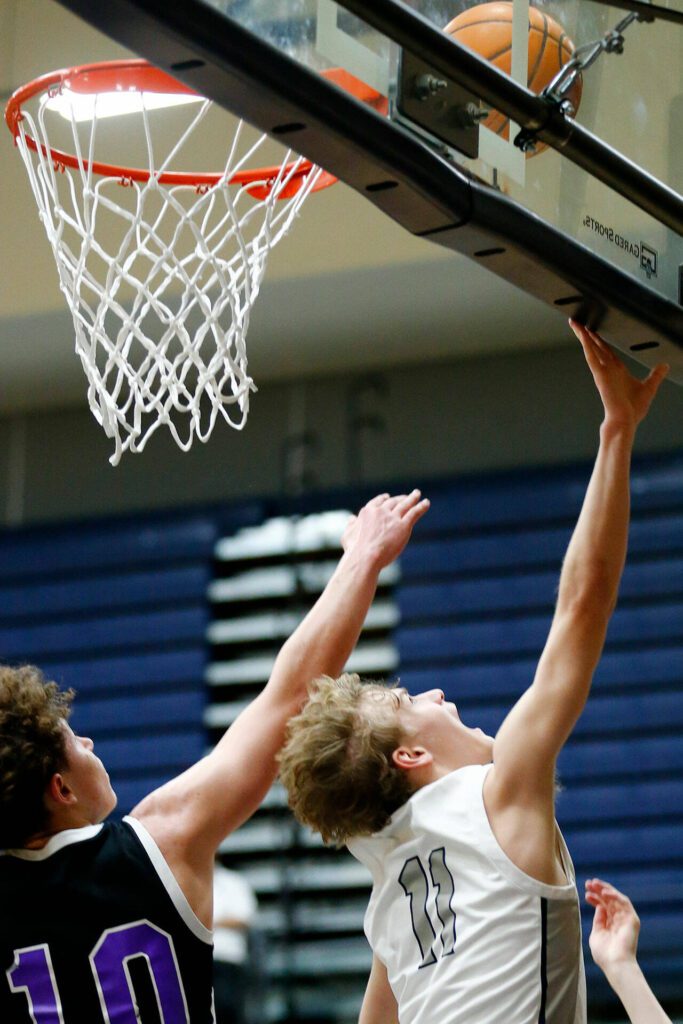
<point>161,296</point>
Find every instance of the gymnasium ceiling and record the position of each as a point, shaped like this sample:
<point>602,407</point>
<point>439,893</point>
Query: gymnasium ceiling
<point>348,289</point>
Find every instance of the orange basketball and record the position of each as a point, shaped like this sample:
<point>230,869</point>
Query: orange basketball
<point>487,29</point>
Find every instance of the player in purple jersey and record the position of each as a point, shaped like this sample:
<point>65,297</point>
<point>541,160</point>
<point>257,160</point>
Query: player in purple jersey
<point>111,922</point>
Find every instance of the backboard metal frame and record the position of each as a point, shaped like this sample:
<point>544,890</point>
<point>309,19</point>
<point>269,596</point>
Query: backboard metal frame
<point>395,168</point>
<point>539,116</point>
<point>648,11</point>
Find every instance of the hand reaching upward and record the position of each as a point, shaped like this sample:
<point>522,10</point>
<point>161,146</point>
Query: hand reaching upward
<point>616,925</point>
<point>383,527</point>
<point>625,398</point>
<point>614,945</point>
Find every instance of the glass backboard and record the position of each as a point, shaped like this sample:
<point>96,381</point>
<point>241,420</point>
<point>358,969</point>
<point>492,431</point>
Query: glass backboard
<point>633,101</point>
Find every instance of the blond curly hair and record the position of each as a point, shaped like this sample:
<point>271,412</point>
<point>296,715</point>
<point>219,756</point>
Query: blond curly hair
<point>336,764</point>
<point>32,749</point>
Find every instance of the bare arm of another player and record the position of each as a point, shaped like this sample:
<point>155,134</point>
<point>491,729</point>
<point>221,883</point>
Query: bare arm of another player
<point>379,1004</point>
<point>535,730</point>
<point>191,815</point>
<point>614,943</point>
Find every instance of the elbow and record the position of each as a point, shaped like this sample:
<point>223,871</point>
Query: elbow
<point>593,596</point>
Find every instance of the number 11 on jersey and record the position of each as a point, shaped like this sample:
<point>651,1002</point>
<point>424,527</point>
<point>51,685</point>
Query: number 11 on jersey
<point>419,885</point>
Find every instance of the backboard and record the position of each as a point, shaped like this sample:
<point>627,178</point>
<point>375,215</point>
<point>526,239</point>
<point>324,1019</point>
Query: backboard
<point>633,101</point>
<point>541,221</point>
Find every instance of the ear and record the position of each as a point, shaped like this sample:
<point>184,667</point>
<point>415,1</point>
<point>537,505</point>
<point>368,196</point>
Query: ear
<point>59,792</point>
<point>410,758</point>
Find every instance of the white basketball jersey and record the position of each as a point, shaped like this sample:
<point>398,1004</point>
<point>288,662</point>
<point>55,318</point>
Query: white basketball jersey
<point>466,937</point>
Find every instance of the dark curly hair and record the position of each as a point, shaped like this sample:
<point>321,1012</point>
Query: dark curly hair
<point>32,749</point>
<point>336,764</point>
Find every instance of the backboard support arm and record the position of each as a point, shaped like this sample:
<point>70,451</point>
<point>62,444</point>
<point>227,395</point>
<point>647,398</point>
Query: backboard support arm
<point>395,169</point>
<point>536,114</point>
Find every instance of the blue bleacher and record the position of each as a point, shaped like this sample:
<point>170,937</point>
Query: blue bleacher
<point>630,757</point>
<point>131,756</point>
<point>515,548</point>
<point>645,669</point>
<point>597,850</point>
<point>117,714</point>
<point>79,549</point>
<point>117,609</point>
<point>509,635</point>
<point>605,715</point>
<point>541,496</point>
<point>466,597</point>
<point>138,671</point>
<point>108,633</point>
<point>178,584</point>
<point>639,800</point>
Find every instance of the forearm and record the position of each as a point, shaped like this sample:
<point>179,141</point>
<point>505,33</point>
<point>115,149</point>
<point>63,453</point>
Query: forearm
<point>326,637</point>
<point>638,999</point>
<point>595,557</point>
<point>534,732</point>
<point>596,554</point>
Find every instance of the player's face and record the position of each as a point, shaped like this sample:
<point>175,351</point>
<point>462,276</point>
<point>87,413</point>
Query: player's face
<point>87,777</point>
<point>429,720</point>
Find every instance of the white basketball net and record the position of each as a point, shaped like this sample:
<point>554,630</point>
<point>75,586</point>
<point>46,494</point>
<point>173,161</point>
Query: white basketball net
<point>161,315</point>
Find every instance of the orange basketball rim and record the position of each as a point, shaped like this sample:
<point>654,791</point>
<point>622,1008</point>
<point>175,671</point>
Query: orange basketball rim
<point>139,76</point>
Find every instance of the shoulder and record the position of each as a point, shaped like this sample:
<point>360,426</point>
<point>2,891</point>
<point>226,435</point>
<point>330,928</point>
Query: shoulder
<point>428,810</point>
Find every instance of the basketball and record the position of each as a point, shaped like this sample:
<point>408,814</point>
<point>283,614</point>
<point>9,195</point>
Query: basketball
<point>487,29</point>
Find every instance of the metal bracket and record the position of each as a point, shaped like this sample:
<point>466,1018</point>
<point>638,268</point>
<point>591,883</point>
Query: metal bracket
<point>439,105</point>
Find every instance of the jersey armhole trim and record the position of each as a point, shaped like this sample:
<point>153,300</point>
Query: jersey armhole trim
<point>169,882</point>
<point>507,867</point>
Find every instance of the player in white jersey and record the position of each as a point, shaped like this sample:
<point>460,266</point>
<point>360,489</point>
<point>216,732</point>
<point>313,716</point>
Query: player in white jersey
<point>445,890</point>
<point>474,915</point>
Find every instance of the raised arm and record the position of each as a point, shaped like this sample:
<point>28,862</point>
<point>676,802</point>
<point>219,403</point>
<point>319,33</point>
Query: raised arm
<point>192,814</point>
<point>614,944</point>
<point>532,735</point>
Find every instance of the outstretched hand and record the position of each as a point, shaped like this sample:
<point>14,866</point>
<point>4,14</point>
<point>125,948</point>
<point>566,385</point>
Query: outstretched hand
<point>614,938</point>
<point>625,398</point>
<point>383,527</point>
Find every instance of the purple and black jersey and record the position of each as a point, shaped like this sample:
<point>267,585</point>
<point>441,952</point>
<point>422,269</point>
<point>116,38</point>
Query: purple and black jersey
<point>94,929</point>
